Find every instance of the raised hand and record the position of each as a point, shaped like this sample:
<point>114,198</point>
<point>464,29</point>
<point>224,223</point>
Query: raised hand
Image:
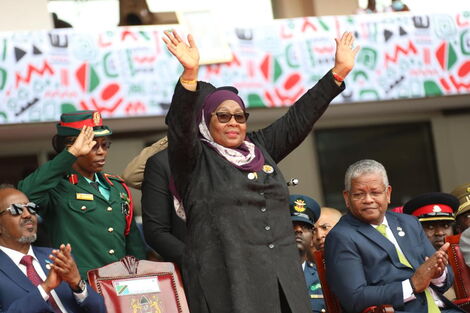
<point>65,265</point>
<point>52,281</point>
<point>186,53</point>
<point>345,54</point>
<point>84,142</point>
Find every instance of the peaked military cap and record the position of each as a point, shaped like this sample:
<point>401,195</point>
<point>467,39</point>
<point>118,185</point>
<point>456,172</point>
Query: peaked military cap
<point>72,123</point>
<point>462,193</point>
<point>433,206</point>
<point>304,209</point>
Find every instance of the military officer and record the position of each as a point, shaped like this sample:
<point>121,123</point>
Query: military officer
<point>80,204</point>
<point>462,216</point>
<point>435,211</point>
<point>304,212</point>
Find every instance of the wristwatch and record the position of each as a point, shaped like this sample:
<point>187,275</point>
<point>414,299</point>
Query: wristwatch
<point>80,287</point>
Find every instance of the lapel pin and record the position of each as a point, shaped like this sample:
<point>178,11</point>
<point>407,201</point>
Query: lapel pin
<point>252,176</point>
<point>268,169</point>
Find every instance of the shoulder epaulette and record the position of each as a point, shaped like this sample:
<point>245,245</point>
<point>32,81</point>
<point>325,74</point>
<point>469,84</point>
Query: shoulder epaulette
<point>110,177</point>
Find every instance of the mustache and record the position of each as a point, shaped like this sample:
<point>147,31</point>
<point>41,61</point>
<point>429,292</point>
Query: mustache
<point>25,221</point>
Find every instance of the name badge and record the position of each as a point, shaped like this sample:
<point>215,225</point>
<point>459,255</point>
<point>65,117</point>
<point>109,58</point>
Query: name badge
<point>84,196</point>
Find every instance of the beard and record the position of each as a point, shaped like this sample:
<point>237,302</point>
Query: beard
<point>28,239</point>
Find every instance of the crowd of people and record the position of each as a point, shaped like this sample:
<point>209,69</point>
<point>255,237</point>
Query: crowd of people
<point>215,203</point>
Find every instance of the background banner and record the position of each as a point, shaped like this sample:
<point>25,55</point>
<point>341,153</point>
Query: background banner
<point>127,71</point>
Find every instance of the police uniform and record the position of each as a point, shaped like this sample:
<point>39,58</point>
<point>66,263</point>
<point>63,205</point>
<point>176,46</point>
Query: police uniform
<point>306,210</point>
<point>433,206</point>
<point>99,225</point>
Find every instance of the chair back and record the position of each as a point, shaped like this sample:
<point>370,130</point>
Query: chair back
<point>461,272</point>
<point>133,286</point>
<point>331,302</point>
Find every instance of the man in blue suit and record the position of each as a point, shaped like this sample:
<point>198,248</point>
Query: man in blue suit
<point>34,279</point>
<point>304,212</point>
<point>375,257</point>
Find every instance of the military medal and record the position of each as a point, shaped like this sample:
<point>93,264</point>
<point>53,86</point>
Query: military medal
<point>125,209</point>
<point>252,175</point>
<point>268,169</point>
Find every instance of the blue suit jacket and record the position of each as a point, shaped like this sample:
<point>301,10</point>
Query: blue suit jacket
<point>18,294</point>
<point>314,288</point>
<point>363,268</point>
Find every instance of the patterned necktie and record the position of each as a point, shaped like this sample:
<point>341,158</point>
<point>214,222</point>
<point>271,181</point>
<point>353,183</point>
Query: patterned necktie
<point>432,307</point>
<point>34,277</point>
<point>95,185</point>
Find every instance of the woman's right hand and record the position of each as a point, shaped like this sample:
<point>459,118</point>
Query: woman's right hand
<point>84,142</point>
<point>187,54</point>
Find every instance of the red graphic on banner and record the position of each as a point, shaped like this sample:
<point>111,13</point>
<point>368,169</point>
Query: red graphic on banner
<point>308,25</point>
<point>398,51</point>
<point>464,69</point>
<point>135,107</point>
<point>46,69</point>
<point>441,55</point>
<point>102,43</point>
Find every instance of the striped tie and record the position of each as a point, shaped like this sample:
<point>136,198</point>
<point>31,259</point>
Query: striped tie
<point>432,307</point>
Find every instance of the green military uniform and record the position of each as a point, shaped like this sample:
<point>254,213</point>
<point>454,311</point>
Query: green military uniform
<point>80,215</point>
<point>99,226</point>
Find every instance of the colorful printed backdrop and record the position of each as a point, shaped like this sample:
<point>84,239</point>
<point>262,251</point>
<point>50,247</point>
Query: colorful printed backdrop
<point>127,72</point>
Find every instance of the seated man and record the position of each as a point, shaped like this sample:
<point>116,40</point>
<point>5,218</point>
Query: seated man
<point>304,212</point>
<point>465,245</point>
<point>328,219</point>
<point>462,217</point>
<point>435,211</point>
<point>375,257</point>
<point>29,282</point>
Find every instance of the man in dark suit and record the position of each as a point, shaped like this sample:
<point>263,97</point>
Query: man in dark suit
<point>29,282</point>
<point>375,257</point>
<point>304,212</point>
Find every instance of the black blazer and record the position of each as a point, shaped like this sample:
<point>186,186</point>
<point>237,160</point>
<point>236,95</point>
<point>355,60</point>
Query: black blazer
<point>164,230</point>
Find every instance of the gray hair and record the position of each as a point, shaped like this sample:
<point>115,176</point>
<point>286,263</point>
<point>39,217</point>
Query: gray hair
<point>364,167</point>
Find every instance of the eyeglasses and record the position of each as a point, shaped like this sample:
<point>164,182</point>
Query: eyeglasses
<point>363,195</point>
<point>225,117</point>
<point>104,145</point>
<point>17,208</point>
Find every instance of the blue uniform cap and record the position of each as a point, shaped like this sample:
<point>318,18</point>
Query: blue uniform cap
<point>304,209</point>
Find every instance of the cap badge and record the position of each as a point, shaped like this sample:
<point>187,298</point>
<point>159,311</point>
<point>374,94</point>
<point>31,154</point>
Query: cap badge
<point>436,209</point>
<point>96,118</point>
<point>468,189</point>
<point>268,169</point>
<point>299,205</point>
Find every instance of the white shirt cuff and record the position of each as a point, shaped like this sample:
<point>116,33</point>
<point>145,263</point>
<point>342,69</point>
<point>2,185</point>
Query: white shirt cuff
<point>80,297</point>
<point>408,294</point>
<point>43,293</point>
<point>439,282</point>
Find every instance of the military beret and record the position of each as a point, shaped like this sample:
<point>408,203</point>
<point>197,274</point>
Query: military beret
<point>304,209</point>
<point>72,123</point>
<point>433,206</point>
<point>462,193</point>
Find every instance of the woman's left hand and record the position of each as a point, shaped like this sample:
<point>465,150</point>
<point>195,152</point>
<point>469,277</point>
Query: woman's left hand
<point>345,54</point>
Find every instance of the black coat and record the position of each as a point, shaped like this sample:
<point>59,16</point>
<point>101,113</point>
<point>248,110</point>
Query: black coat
<point>164,228</point>
<point>240,245</point>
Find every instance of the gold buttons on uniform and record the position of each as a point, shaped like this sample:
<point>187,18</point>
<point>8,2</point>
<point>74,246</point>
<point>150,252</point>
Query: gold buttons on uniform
<point>83,208</point>
<point>110,229</point>
<point>111,251</point>
<point>109,209</point>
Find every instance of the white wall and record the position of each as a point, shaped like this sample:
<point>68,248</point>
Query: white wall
<point>24,15</point>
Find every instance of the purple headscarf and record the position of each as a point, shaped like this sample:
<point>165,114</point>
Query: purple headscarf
<point>247,156</point>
